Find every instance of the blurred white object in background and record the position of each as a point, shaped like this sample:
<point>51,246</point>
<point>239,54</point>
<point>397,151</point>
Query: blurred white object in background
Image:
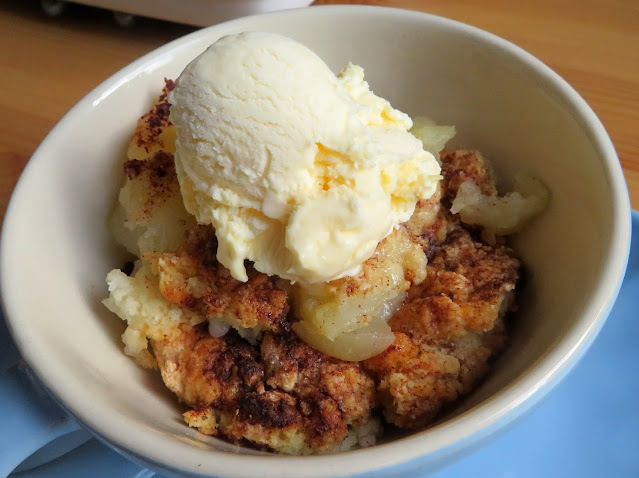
<point>193,12</point>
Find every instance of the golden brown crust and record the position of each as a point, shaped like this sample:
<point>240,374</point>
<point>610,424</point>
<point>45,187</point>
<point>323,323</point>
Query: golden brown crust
<point>492,270</point>
<point>446,332</point>
<point>203,370</point>
<point>292,365</point>
<point>193,278</point>
<point>283,395</point>
<point>465,165</point>
<point>414,382</point>
<point>452,323</point>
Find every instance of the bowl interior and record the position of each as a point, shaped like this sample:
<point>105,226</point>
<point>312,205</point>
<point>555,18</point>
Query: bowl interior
<point>57,250</point>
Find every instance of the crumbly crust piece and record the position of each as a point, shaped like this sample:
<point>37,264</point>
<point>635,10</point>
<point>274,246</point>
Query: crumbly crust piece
<point>281,395</point>
<point>193,278</point>
<point>465,165</point>
<point>452,323</point>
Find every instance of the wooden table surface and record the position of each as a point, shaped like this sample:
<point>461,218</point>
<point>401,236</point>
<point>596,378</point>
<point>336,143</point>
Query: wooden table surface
<point>48,64</point>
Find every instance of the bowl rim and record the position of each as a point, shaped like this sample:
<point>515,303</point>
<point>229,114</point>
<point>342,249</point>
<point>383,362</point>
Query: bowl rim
<point>443,439</point>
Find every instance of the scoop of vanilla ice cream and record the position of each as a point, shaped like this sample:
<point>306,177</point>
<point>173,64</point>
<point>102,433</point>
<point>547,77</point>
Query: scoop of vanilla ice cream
<point>298,170</point>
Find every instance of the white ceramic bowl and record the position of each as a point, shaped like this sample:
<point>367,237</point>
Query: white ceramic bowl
<point>56,249</point>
